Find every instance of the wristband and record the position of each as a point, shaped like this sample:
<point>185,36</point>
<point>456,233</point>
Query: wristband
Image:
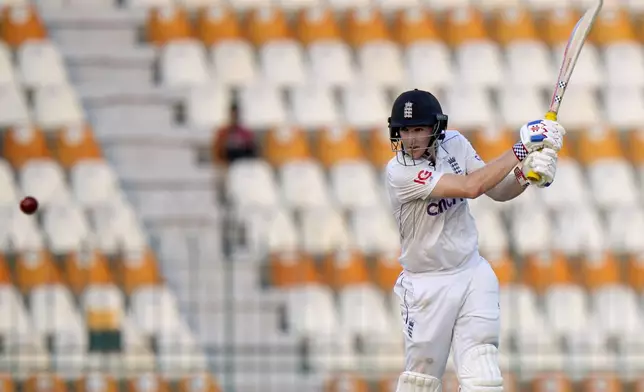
<point>521,178</point>
<point>520,151</point>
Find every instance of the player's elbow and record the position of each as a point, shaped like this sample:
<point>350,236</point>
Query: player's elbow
<point>473,189</point>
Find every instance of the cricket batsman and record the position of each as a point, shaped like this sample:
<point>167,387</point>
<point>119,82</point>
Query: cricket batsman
<point>449,294</point>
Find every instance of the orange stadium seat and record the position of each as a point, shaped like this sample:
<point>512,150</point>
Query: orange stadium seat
<point>136,269</point>
<point>593,146</point>
<point>514,24</point>
<point>86,268</point>
<point>198,383</point>
<point>365,25</point>
<point>5,273</point>
<point>96,382</point>
<point>636,147</point>
<point>317,24</point>
<point>602,382</point>
<point>380,152</point>
<point>414,25</point>
<point>217,23</point>
<point>386,271</point>
<point>168,24</point>
<point>388,383</point>
<point>337,144</point>
<point>6,383</point>
<point>504,268</point>
<point>599,270</point>
<point>347,383</point>
<point>491,144</point>
<point>551,382</point>
<point>146,383</point>
<point>464,25</point>
<point>635,272</point>
<point>22,144</point>
<point>289,269</point>
<point>556,27</point>
<point>286,144</point>
<point>103,310</point>
<point>543,270</point>
<point>613,26</point>
<point>267,24</point>
<point>44,382</point>
<point>21,23</point>
<point>344,268</point>
<point>36,268</point>
<point>76,143</point>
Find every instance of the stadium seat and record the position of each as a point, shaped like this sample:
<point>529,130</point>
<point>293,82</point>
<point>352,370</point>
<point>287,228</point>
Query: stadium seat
<point>312,106</point>
<point>268,231</point>
<point>292,269</point>
<point>146,382</point>
<point>552,381</point>
<point>57,106</point>
<point>346,382</point>
<point>317,24</point>
<point>303,184</point>
<point>580,109</point>
<point>623,103</point>
<point>602,381</point>
<point>345,268</point>
<point>75,143</point>
<point>207,106</point>
<point>286,145</point>
<point>8,74</point>
<point>266,23</point>
<point>330,62</point>
<point>469,107</point>
<point>93,182</point>
<point>166,23</point>
<point>233,63</point>
<point>600,269</point>
<point>66,228</point>
<point>337,144</point>
<point>44,381</point>
<point>623,226</point>
<point>570,189</point>
<point>85,267</point>
<point>251,174</point>
<point>518,103</point>
<point>53,312</point>
<point>365,24</point>
<point>418,54</point>
<point>576,230</point>
<point>374,230</point>
<point>137,269</point>
<point>6,383</point>
<point>198,382</point>
<point>386,271</point>
<point>354,184</point>
<point>531,235</point>
<point>21,23</point>
<point>18,232</point>
<point>414,24</point>
<point>36,268</point>
<point>216,22</point>
<point>380,63</point>
<point>262,105</point>
<point>493,237</point>
<point>13,106</point>
<point>282,62</point>
<point>23,143</point>
<point>116,227</point>
<point>363,105</point>
<point>635,272</point>
<point>40,64</point>
<point>623,63</point>
<point>154,308</point>
<point>617,314</point>
<point>380,151</point>
<point>323,230</point>
<point>183,63</point>
<point>544,269</point>
<point>45,180</point>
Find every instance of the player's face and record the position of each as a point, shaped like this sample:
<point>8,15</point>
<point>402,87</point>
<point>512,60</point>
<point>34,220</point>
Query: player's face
<point>415,140</point>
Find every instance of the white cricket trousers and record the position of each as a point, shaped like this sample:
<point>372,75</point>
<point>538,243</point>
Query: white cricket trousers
<point>458,310</point>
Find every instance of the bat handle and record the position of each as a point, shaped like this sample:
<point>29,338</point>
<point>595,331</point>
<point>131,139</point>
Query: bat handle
<point>532,176</point>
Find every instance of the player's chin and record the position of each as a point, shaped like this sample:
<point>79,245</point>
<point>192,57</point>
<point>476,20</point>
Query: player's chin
<point>418,154</point>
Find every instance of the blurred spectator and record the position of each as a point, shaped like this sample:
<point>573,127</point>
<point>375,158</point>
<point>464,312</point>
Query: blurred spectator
<point>234,141</point>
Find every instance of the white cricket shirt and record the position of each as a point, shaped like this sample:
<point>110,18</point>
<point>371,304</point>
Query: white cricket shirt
<point>437,235</point>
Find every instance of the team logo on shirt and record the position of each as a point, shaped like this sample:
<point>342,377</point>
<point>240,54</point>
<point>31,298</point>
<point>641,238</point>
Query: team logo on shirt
<point>422,177</point>
<point>455,167</point>
<point>441,206</point>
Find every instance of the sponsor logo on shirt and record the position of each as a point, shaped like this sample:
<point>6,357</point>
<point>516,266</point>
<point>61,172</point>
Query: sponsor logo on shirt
<point>422,177</point>
<point>437,208</point>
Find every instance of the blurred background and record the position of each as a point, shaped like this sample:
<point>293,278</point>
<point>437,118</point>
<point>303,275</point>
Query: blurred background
<point>213,215</point>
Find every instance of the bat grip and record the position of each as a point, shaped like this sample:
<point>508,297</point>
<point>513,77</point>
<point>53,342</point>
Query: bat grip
<point>532,176</point>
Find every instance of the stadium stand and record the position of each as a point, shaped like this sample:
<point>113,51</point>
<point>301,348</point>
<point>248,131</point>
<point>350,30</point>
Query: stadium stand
<point>148,268</point>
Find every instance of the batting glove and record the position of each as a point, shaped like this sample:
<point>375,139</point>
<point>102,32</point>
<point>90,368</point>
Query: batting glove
<point>539,134</point>
<point>544,163</point>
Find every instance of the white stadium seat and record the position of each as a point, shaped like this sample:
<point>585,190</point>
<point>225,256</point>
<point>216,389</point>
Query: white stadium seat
<point>578,230</point>
<point>330,63</point>
<point>296,5</point>
<point>7,71</point>
<point>233,62</point>
<point>93,182</point>
<point>323,230</point>
<point>518,103</point>
<point>146,4</point>
<point>344,5</point>
<point>8,191</point>
<point>624,229</point>
<point>282,63</point>
<point>612,182</point>
<point>354,184</point>
<point>18,231</point>
<point>154,309</point>
<point>41,64</point>
<point>312,106</point>
<point>263,105</point>
<point>57,106</point>
<point>117,227</point>
<point>251,184</point>
<point>303,184</point>
<point>363,105</point>
<point>270,232</point>
<point>198,4</point>
<point>624,62</point>
<point>380,63</point>
<point>624,106</point>
<point>207,106</point>
<point>570,187</point>
<point>66,228</point>
<point>529,64</point>
<point>531,234</point>
<point>45,180</point>
<point>418,55</point>
<point>183,63</point>
<point>13,105</point>
<point>580,109</point>
<point>589,68</point>
<point>245,5</point>
<point>616,313</point>
<point>479,64</point>
<point>566,307</point>
<point>374,230</point>
<point>493,237</point>
<point>469,107</point>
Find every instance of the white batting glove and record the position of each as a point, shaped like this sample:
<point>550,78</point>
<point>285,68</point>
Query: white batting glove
<point>544,163</point>
<point>539,134</point>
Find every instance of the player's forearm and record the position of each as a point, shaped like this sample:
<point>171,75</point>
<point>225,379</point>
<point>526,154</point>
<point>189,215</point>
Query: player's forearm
<point>507,189</point>
<point>490,175</point>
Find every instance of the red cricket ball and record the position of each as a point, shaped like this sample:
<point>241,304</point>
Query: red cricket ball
<point>29,205</point>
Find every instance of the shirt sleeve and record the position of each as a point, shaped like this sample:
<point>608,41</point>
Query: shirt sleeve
<point>409,183</point>
<point>472,159</point>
